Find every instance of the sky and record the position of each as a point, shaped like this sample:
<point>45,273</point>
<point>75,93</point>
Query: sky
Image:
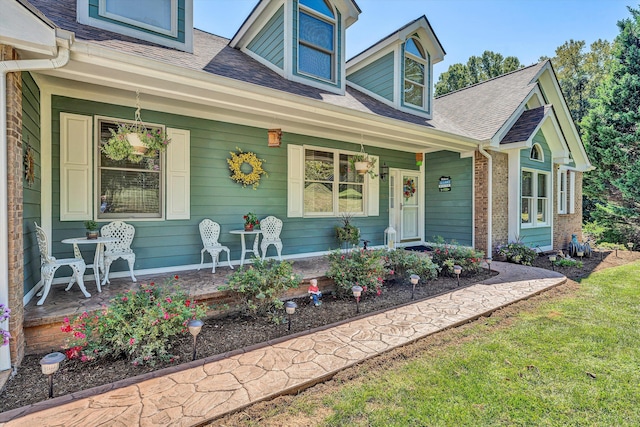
<point>527,29</point>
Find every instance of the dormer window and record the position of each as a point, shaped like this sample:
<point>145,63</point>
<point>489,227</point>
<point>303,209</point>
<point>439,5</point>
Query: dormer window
<point>317,39</point>
<point>415,67</point>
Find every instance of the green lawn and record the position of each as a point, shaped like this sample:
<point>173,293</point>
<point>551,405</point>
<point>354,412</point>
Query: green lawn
<point>571,362</point>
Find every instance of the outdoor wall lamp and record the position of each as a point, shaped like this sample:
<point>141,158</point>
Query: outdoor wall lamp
<point>457,270</point>
<point>50,365</point>
<point>290,308</point>
<point>195,326</point>
<point>357,292</point>
<point>384,171</point>
<point>414,281</point>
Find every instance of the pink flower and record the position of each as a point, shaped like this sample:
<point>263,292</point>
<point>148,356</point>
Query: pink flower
<point>125,299</point>
<point>166,316</point>
<point>84,358</point>
<point>132,341</point>
<point>392,272</point>
<point>79,334</point>
<point>66,320</point>
<point>168,299</point>
<point>176,277</point>
<point>379,292</point>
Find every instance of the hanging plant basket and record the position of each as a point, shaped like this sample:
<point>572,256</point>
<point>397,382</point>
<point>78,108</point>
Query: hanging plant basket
<point>363,164</point>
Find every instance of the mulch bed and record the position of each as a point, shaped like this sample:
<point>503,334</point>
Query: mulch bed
<point>218,336</point>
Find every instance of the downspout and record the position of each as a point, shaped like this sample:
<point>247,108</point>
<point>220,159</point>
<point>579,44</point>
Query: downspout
<point>10,67</point>
<point>490,201</point>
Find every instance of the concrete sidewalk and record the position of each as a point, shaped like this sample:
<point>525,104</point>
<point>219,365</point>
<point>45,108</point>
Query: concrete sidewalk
<point>193,393</point>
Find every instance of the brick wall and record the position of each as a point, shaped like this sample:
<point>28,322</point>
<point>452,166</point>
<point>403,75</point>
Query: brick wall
<point>500,199</point>
<point>481,182</point>
<point>564,225</point>
<point>14,210</point>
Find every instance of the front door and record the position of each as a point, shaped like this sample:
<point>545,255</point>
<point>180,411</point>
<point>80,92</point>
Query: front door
<point>404,204</point>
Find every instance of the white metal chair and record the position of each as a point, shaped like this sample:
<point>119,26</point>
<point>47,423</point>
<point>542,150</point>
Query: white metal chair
<point>49,265</point>
<point>209,233</point>
<point>271,228</point>
<point>121,249</point>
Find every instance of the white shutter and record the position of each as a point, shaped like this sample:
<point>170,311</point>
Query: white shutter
<point>373,190</point>
<point>76,177</point>
<point>295,181</point>
<point>571,188</point>
<point>178,174</point>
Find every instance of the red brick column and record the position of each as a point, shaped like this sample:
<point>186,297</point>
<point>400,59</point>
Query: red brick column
<point>481,180</point>
<point>14,206</point>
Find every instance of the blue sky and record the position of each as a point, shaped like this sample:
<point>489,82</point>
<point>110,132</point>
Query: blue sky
<point>526,29</point>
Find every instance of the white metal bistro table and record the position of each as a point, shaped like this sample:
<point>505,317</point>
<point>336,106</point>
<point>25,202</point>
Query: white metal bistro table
<point>255,250</point>
<point>98,258</point>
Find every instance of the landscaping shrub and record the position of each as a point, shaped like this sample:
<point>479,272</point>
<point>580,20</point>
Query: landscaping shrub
<point>137,324</point>
<point>567,262</point>
<point>261,286</point>
<point>447,255</point>
<point>363,267</point>
<point>404,263</point>
<point>517,252</point>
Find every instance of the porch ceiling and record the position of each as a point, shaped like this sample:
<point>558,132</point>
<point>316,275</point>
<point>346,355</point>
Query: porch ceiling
<point>181,91</point>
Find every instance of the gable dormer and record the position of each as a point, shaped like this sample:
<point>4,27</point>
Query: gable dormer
<point>398,70</point>
<point>164,22</point>
<point>302,40</point>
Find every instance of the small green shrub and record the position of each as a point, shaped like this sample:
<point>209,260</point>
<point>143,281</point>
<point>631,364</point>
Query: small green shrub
<point>447,255</point>
<point>137,324</point>
<point>517,253</point>
<point>363,267</point>
<point>347,232</point>
<point>567,262</point>
<point>404,263</point>
<point>261,286</point>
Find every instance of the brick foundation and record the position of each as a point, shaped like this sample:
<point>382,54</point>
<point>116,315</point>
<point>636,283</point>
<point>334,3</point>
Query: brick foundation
<point>481,180</point>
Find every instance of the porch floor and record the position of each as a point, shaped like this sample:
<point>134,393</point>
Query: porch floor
<point>202,285</point>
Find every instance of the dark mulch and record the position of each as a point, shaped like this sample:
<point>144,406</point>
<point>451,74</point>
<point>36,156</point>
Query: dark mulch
<point>218,336</point>
<point>596,262</point>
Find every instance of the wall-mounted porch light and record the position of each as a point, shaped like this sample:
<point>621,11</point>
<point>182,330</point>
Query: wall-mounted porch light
<point>384,171</point>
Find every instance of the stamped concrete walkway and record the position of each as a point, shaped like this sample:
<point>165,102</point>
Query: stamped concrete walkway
<point>205,389</point>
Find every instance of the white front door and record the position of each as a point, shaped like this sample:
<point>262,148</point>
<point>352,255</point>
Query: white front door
<point>404,204</point>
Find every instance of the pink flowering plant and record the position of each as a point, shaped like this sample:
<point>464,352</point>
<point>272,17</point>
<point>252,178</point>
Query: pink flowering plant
<point>138,324</point>
<point>4,315</point>
<point>446,255</point>
<point>362,267</point>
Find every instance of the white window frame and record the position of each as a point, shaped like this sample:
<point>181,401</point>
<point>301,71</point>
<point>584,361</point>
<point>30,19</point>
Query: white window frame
<point>538,148</point>
<point>173,31</point>
<point>97,174</point>
<point>422,61</point>
<point>315,14</point>
<point>562,191</point>
<point>336,184</point>
<point>535,198</point>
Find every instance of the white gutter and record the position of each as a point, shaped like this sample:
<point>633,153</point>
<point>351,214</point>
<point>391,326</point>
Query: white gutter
<point>10,67</point>
<point>489,203</point>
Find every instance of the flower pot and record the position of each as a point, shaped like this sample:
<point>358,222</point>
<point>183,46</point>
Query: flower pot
<point>92,235</point>
<point>248,227</point>
<point>136,143</point>
<point>361,167</point>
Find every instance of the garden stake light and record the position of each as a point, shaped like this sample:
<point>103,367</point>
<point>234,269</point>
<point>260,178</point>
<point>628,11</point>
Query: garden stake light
<point>580,254</point>
<point>457,270</point>
<point>552,259</point>
<point>50,365</point>
<point>414,281</point>
<point>630,246</point>
<point>290,308</point>
<point>357,291</point>
<point>194,325</point>
<point>489,261</point>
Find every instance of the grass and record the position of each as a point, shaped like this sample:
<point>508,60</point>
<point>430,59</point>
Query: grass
<point>574,361</point>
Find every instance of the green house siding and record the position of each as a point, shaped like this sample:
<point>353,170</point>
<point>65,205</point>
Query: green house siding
<point>338,53</point>
<point>376,77</point>
<point>214,195</point>
<point>94,13</point>
<point>538,236</point>
<point>449,214</point>
<point>31,193</point>
<point>269,42</point>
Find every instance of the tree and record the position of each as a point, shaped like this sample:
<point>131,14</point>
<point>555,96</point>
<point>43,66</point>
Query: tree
<point>476,70</point>
<point>611,134</point>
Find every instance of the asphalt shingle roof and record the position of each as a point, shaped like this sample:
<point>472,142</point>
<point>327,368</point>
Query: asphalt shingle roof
<point>526,124</point>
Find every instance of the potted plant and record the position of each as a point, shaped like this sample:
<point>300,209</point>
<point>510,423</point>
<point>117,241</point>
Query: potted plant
<point>92,229</point>
<point>251,221</point>
<point>347,232</point>
<point>134,142</point>
<point>362,163</point>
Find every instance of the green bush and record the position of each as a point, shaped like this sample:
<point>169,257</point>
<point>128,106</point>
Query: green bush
<point>261,286</point>
<point>363,267</point>
<point>566,262</point>
<point>404,263</point>
<point>517,253</point>
<point>447,255</point>
<point>137,324</point>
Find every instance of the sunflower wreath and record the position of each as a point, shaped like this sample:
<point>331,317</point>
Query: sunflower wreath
<point>235,165</point>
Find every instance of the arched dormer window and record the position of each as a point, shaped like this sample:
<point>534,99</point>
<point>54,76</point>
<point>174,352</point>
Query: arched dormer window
<point>317,39</point>
<point>536,153</point>
<point>415,74</point>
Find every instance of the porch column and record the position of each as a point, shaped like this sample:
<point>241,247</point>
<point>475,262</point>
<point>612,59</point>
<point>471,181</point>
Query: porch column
<point>481,202</point>
<point>14,177</point>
